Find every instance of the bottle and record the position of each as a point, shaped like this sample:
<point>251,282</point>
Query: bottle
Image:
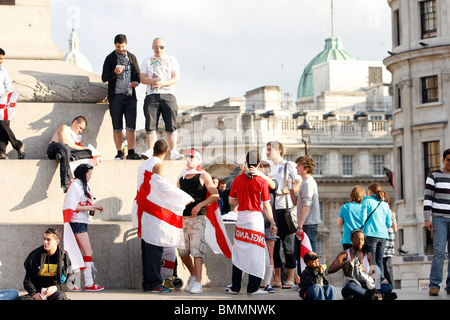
<point>248,173</point>
<point>91,213</point>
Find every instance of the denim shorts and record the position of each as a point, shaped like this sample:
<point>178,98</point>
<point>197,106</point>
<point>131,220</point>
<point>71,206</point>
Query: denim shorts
<point>78,227</point>
<point>123,106</point>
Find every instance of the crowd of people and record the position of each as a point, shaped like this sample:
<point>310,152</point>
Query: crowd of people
<point>276,204</point>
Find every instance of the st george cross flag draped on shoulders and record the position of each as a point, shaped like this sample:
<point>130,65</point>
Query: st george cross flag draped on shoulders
<point>158,210</point>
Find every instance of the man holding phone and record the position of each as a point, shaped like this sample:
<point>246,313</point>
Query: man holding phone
<point>121,71</point>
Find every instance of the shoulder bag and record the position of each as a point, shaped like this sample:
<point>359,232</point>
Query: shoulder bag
<point>291,214</point>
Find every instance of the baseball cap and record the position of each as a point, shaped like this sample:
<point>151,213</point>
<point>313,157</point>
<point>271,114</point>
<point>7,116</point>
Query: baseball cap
<point>310,256</point>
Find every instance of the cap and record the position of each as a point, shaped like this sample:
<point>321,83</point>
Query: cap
<point>194,153</point>
<point>310,256</point>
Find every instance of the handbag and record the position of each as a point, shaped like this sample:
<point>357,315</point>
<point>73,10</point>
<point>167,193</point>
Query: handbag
<point>291,213</point>
<point>354,271</point>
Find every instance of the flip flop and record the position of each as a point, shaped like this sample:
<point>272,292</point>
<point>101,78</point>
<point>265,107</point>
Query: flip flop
<point>278,285</point>
<point>287,286</point>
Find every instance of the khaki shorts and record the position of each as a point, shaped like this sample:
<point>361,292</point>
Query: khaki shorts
<point>194,236</point>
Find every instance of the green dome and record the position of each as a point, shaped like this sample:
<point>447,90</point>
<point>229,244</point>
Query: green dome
<point>334,50</point>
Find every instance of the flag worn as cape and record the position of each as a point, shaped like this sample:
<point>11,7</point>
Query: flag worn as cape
<point>215,233</point>
<point>7,105</point>
<point>158,210</point>
<point>304,248</point>
<point>249,251</point>
<point>74,193</point>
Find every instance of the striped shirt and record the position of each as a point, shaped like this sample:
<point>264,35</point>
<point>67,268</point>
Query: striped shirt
<point>437,195</point>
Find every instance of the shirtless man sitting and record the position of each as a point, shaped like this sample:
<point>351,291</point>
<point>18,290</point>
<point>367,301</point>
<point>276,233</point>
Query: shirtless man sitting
<point>65,146</point>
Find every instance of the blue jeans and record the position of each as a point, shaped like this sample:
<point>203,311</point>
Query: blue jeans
<point>318,292</point>
<point>441,236</point>
<point>358,292</point>
<point>376,248</point>
<point>9,294</point>
<point>311,231</point>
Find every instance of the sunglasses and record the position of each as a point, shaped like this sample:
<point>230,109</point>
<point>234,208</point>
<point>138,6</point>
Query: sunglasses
<point>52,230</point>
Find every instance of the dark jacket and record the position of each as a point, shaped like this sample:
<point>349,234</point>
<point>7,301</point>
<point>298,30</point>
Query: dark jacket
<point>108,74</point>
<point>308,278</point>
<point>34,263</point>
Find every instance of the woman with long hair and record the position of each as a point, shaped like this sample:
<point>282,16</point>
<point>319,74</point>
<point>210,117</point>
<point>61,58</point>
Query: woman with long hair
<point>377,219</point>
<point>350,215</point>
<point>78,205</point>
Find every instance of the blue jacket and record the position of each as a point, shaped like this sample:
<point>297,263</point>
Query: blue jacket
<point>377,225</point>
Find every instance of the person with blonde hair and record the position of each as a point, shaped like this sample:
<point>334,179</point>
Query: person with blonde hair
<point>350,215</point>
<point>377,219</point>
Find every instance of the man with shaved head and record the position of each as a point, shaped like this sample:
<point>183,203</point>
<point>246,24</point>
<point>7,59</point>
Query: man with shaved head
<point>160,73</point>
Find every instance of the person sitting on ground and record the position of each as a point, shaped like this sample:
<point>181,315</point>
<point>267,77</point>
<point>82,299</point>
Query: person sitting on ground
<point>8,294</point>
<point>313,285</point>
<point>48,270</point>
<point>359,269</point>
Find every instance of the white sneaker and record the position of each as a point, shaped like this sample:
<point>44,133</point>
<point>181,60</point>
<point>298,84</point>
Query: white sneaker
<point>147,154</point>
<point>190,283</point>
<point>175,155</point>
<point>197,288</point>
<point>258,292</point>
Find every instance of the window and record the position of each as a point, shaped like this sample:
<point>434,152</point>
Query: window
<point>428,19</point>
<point>318,169</point>
<point>430,89</point>
<point>396,24</point>
<point>400,175</point>
<point>347,165</point>
<point>378,163</point>
<point>399,97</point>
<point>431,157</point>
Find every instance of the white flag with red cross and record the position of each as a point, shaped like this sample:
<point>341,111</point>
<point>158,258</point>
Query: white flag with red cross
<point>8,105</point>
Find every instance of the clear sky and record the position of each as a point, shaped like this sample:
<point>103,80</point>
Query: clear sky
<point>226,47</point>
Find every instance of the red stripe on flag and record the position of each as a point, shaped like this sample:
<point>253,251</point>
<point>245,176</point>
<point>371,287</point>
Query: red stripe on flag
<point>250,236</point>
<point>153,209</point>
<point>167,264</point>
<point>220,236</point>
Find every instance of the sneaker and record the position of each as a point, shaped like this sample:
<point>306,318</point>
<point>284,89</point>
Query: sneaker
<point>229,291</point>
<point>258,292</point>
<point>147,154</point>
<point>58,157</point>
<point>175,155</point>
<point>269,289</point>
<point>94,288</point>
<point>134,156</point>
<point>197,288</point>
<point>21,152</point>
<point>161,289</point>
<point>76,289</point>
<point>433,291</point>
<point>190,283</point>
<point>119,156</point>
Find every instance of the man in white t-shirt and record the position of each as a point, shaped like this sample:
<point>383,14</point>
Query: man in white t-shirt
<point>160,73</point>
<point>275,152</point>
